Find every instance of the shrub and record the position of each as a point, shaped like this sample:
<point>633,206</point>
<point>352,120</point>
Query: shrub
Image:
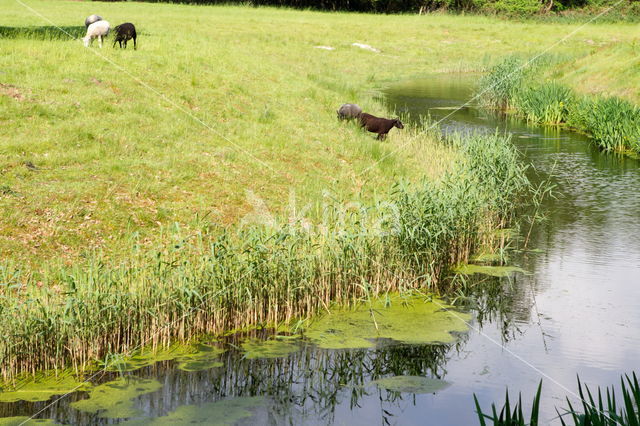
<point>514,7</point>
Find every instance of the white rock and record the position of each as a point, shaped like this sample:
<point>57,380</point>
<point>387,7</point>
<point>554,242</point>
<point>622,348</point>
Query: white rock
<point>366,47</point>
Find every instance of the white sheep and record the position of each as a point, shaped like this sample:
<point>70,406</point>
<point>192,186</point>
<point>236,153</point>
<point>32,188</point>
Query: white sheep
<point>97,30</point>
<point>91,19</point>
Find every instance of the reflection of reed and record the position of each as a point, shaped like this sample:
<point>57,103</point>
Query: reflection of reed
<point>503,302</point>
<point>308,383</point>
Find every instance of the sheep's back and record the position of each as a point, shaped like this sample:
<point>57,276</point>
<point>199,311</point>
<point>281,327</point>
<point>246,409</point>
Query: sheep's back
<point>98,28</point>
<point>91,19</point>
<point>350,110</point>
<point>127,29</point>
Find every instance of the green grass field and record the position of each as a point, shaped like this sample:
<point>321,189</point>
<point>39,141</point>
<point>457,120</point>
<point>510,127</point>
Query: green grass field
<point>220,103</point>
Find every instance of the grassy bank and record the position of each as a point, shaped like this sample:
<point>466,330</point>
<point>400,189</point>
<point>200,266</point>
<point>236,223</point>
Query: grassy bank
<point>517,87</point>
<point>203,181</point>
<point>240,277</point>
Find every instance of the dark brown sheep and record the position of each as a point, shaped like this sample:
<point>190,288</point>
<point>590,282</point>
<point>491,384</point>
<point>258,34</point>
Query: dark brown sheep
<point>378,125</point>
<point>125,32</point>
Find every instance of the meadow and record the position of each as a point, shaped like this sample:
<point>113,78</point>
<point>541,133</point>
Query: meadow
<point>206,173</point>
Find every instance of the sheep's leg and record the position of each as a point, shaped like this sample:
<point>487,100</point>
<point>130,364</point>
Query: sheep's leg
<point>125,43</point>
<point>134,43</point>
<point>100,40</point>
<point>114,43</point>
<point>381,136</point>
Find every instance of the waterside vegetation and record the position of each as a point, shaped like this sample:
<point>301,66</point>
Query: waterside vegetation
<point>601,410</point>
<point>262,275</point>
<point>515,86</point>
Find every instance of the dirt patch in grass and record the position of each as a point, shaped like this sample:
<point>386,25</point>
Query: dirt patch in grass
<point>11,91</point>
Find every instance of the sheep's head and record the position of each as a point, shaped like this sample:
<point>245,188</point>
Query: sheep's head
<point>397,123</point>
<point>86,40</point>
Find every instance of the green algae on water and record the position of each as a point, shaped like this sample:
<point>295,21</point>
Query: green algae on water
<point>115,399</point>
<point>145,359</point>
<point>411,384</point>
<point>407,320</point>
<point>43,388</point>
<point>191,357</point>
<point>204,357</point>
<point>256,348</point>
<point>494,271</point>
<point>199,364</point>
<point>17,421</point>
<point>487,258</point>
<point>224,412</point>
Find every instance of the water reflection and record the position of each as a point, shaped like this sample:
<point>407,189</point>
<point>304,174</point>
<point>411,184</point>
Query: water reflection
<point>305,386</point>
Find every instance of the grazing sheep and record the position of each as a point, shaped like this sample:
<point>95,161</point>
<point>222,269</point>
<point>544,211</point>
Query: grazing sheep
<point>91,19</point>
<point>97,30</point>
<point>349,111</point>
<point>125,32</point>
<point>378,125</point>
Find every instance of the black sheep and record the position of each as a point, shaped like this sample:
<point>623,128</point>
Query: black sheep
<point>378,125</point>
<point>125,32</point>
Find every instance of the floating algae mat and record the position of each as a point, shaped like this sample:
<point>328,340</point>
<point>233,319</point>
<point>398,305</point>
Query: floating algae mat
<point>17,421</point>
<point>190,358</point>
<point>278,348</point>
<point>411,384</point>
<point>487,258</point>
<point>224,412</point>
<point>494,271</point>
<point>407,320</point>
<point>148,358</point>
<point>204,358</point>
<point>115,399</point>
<point>43,388</point>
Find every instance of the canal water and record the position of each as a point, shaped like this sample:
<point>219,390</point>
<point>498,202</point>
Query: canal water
<point>574,312</point>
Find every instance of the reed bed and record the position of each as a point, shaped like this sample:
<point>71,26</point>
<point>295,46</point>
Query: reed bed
<point>238,277</point>
<point>510,86</point>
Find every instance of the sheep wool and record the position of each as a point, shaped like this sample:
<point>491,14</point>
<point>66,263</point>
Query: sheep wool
<point>91,19</point>
<point>99,30</point>
<point>123,33</point>
<point>378,125</point>
<point>349,111</point>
